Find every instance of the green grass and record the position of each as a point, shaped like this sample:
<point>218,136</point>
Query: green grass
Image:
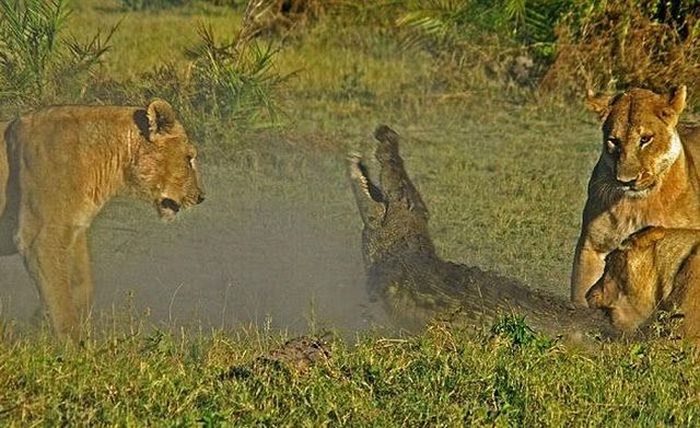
<point>445,377</point>
<point>504,178</point>
<point>148,39</point>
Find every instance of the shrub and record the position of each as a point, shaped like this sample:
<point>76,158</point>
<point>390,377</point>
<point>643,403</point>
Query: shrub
<point>227,83</point>
<point>621,44</point>
<point>38,64</point>
<point>234,80</point>
<point>457,24</point>
<point>561,46</point>
<point>508,41</point>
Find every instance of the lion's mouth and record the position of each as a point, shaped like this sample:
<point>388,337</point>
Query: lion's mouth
<point>638,187</point>
<point>638,190</point>
<point>168,208</point>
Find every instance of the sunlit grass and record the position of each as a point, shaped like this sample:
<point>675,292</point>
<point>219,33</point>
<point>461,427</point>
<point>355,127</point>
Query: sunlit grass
<point>444,377</point>
<point>146,40</point>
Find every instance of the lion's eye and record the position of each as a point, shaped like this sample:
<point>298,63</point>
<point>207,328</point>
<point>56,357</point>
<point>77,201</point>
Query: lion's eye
<point>612,143</point>
<point>645,139</point>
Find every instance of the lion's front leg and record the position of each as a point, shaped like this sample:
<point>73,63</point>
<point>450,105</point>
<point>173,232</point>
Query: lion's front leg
<point>82,277</point>
<point>588,267</point>
<point>48,253</point>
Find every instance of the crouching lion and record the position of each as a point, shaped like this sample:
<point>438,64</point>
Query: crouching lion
<point>654,269</point>
<point>647,175</point>
<point>58,168</point>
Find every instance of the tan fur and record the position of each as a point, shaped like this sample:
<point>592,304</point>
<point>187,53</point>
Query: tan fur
<point>646,176</point>
<point>58,168</point>
<point>654,269</point>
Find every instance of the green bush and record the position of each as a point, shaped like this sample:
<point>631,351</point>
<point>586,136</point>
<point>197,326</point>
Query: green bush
<point>234,80</point>
<point>226,84</point>
<point>456,24</point>
<point>573,45</point>
<point>38,62</point>
<point>617,45</point>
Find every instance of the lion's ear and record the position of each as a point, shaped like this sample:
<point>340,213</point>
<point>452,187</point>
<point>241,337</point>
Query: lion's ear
<point>161,118</point>
<point>676,105</point>
<point>602,294</point>
<point>598,104</point>
<point>677,98</point>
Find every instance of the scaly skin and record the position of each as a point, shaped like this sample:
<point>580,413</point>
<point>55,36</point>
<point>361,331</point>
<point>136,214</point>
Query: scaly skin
<point>415,285</point>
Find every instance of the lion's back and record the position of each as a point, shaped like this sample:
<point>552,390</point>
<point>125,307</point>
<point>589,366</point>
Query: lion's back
<point>687,280</point>
<point>61,146</point>
<point>73,126</point>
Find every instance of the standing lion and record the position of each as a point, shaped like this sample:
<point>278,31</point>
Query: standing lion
<point>58,168</point>
<point>647,175</point>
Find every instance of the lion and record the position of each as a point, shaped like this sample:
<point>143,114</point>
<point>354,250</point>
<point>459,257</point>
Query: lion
<point>654,269</point>
<point>647,175</point>
<point>60,165</point>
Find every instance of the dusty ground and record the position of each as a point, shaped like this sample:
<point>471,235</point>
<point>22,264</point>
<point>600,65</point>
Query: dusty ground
<point>254,252</point>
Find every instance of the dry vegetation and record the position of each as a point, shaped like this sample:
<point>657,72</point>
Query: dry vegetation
<point>625,45</point>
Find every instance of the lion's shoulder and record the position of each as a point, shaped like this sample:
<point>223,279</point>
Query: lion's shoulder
<point>690,136</point>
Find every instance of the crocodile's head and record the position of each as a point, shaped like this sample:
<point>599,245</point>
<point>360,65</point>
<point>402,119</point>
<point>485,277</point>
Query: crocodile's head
<point>394,215</point>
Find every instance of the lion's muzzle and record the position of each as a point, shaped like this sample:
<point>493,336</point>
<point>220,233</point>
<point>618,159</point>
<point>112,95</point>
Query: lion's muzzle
<point>169,204</point>
<point>168,208</point>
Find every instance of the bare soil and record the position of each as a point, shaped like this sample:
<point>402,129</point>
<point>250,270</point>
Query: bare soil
<point>250,254</point>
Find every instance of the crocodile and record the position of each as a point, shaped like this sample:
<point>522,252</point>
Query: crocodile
<point>415,285</point>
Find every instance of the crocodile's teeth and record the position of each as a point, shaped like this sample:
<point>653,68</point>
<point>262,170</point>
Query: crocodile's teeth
<point>357,172</point>
<point>365,184</point>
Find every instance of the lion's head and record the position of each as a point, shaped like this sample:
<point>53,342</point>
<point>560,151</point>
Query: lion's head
<point>629,288</point>
<point>165,167</point>
<point>640,141</point>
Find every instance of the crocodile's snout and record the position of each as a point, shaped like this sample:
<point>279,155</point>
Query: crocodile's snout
<point>385,134</point>
<point>388,148</point>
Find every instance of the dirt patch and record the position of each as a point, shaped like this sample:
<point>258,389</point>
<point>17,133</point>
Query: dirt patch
<point>242,257</point>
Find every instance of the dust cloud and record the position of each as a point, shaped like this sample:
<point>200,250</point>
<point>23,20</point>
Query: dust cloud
<point>233,261</point>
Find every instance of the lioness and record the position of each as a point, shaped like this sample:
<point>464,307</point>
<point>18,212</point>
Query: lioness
<point>60,165</point>
<point>647,175</point>
<point>654,269</point>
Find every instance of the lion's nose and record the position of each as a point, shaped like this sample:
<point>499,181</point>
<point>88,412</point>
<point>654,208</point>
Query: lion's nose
<point>170,204</point>
<point>628,180</point>
<point>628,176</point>
<point>627,183</point>
<point>200,199</point>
